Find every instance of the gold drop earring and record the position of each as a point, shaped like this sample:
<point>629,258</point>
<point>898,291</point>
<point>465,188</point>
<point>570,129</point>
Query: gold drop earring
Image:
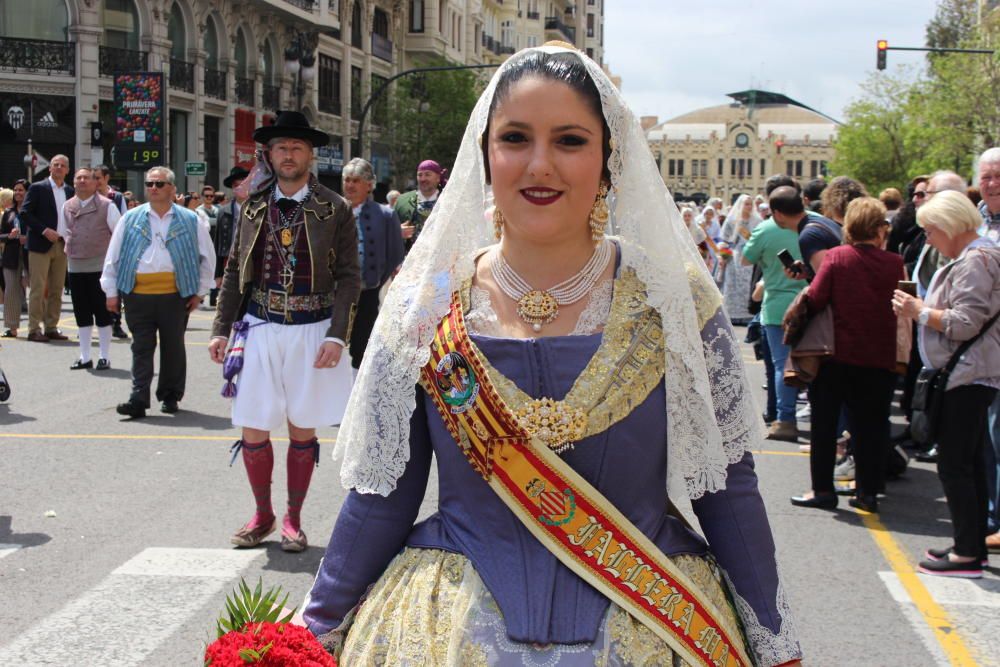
<point>599,214</point>
<point>498,221</point>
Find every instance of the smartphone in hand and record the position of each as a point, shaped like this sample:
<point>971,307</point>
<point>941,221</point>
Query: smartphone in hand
<point>786,259</point>
<point>908,286</point>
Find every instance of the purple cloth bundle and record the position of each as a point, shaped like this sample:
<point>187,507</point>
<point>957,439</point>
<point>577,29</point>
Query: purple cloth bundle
<point>233,363</point>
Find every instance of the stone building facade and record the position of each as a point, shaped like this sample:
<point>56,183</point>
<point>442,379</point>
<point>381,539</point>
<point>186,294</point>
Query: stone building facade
<point>731,149</point>
<point>224,64</point>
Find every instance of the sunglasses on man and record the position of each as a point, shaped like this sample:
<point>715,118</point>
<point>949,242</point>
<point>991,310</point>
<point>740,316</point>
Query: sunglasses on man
<point>157,184</point>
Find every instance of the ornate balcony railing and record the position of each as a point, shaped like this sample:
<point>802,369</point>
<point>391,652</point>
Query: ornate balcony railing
<point>308,5</point>
<point>381,47</point>
<point>182,75</point>
<point>533,16</point>
<point>37,55</point>
<point>272,95</point>
<point>114,60</point>
<point>245,91</point>
<point>504,50</point>
<point>215,83</point>
<point>555,23</point>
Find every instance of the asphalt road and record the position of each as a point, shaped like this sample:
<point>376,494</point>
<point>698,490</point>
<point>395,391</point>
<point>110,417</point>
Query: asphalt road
<point>114,534</point>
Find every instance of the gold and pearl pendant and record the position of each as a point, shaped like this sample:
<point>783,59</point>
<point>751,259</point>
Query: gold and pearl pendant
<point>537,308</point>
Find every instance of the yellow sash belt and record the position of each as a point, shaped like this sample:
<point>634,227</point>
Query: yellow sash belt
<point>155,283</point>
<point>567,515</point>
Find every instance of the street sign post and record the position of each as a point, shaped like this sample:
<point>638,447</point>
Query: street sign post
<point>195,168</point>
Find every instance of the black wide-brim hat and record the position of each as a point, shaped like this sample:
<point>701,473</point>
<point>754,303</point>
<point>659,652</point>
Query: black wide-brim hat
<point>291,125</point>
<point>236,173</point>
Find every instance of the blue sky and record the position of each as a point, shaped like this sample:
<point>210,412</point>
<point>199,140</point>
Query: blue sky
<point>676,56</point>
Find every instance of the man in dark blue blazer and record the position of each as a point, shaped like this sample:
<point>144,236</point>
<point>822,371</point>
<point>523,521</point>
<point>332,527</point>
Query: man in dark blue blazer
<point>42,213</point>
<point>380,249</point>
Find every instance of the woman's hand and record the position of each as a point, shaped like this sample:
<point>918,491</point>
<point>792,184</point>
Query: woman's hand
<point>14,233</point>
<point>906,305</point>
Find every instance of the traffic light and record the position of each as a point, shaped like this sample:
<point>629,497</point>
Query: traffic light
<point>881,47</point>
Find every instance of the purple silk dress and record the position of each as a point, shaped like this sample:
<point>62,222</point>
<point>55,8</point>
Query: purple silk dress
<point>541,600</point>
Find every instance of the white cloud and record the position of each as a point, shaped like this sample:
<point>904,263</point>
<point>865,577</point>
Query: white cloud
<point>675,56</point>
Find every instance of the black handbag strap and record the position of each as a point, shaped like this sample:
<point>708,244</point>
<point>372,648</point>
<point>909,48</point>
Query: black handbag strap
<point>964,347</point>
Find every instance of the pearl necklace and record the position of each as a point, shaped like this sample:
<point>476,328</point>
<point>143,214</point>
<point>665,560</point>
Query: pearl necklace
<point>538,307</point>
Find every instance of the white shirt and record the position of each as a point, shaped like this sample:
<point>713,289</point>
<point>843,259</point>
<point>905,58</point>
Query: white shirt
<point>433,198</point>
<point>112,218</point>
<point>157,259</point>
<point>60,196</point>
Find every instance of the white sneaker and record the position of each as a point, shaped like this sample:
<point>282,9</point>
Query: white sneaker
<point>844,472</point>
<point>803,413</point>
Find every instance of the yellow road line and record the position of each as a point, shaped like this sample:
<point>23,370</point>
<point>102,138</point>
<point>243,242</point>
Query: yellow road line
<point>937,619</point>
<point>775,452</point>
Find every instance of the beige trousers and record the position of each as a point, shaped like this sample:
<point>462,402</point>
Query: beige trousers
<point>47,271</point>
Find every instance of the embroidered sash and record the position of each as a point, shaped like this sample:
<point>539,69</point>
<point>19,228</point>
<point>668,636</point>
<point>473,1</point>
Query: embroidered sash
<point>565,513</point>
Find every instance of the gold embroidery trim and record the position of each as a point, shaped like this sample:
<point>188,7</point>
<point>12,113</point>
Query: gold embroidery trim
<point>626,367</point>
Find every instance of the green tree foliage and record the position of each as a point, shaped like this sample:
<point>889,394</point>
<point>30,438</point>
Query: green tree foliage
<point>426,118</point>
<point>905,124</point>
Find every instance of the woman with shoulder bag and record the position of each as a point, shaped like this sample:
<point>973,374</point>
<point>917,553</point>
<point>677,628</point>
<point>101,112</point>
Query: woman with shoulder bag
<point>855,280</point>
<point>962,300</point>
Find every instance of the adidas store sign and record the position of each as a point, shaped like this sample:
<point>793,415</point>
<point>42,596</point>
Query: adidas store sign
<point>48,120</point>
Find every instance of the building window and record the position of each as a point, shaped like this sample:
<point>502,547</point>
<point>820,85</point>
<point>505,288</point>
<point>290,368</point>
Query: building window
<point>329,85</point>
<point>380,110</point>
<point>416,15</point>
<point>813,168</point>
<point>763,164</point>
<point>356,102</point>
<point>671,167</point>
<point>380,23</point>
<point>798,169</point>
<point>590,25</point>
<point>590,51</point>
<point>356,40</point>
<point>822,168</point>
<point>721,162</point>
<point>789,168</point>
<point>732,166</point>
<point>749,167</point>
<point>704,168</point>
<point>680,167</point>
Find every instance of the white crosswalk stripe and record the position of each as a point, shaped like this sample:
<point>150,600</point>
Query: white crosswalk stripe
<point>126,616</point>
<point>972,605</point>
<point>8,549</point>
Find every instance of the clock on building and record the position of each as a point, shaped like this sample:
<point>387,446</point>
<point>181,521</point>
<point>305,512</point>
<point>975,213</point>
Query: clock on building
<point>742,140</point>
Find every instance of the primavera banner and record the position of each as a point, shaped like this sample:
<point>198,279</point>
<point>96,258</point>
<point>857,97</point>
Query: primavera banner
<point>140,110</point>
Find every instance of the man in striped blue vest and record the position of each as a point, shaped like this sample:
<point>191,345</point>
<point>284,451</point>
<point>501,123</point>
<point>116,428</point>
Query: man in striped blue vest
<point>161,262</point>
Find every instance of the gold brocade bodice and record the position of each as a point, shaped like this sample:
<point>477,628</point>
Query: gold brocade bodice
<point>626,367</point>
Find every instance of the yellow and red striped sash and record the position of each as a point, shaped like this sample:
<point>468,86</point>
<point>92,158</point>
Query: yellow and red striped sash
<point>565,513</point>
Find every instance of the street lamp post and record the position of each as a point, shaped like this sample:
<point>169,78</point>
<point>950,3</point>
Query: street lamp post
<point>300,62</point>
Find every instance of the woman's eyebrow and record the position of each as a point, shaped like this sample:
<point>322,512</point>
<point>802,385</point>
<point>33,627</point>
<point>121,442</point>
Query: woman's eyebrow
<point>562,128</point>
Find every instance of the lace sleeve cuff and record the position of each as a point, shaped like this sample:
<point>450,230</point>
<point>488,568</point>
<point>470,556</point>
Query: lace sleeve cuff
<point>769,649</point>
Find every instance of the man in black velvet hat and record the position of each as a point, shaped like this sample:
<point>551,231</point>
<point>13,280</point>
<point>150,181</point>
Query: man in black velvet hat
<point>225,226</point>
<point>291,284</point>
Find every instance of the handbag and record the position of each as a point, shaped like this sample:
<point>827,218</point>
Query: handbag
<point>811,340</point>
<point>928,392</point>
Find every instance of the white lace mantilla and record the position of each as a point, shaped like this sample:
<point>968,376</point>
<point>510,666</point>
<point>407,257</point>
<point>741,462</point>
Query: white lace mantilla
<point>709,427</point>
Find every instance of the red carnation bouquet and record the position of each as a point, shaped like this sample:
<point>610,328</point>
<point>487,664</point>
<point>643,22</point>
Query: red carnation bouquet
<point>254,632</point>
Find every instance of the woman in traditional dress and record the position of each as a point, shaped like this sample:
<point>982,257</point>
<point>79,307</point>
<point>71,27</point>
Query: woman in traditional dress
<point>736,288</point>
<point>591,362</point>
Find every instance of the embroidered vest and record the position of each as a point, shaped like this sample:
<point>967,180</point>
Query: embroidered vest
<point>267,256</point>
<point>181,242</point>
<point>87,225</point>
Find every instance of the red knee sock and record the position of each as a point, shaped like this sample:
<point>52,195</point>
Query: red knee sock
<point>259,461</point>
<point>303,456</point>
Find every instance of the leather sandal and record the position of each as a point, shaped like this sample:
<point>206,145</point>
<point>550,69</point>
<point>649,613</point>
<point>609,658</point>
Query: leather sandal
<point>247,537</point>
<point>294,543</point>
